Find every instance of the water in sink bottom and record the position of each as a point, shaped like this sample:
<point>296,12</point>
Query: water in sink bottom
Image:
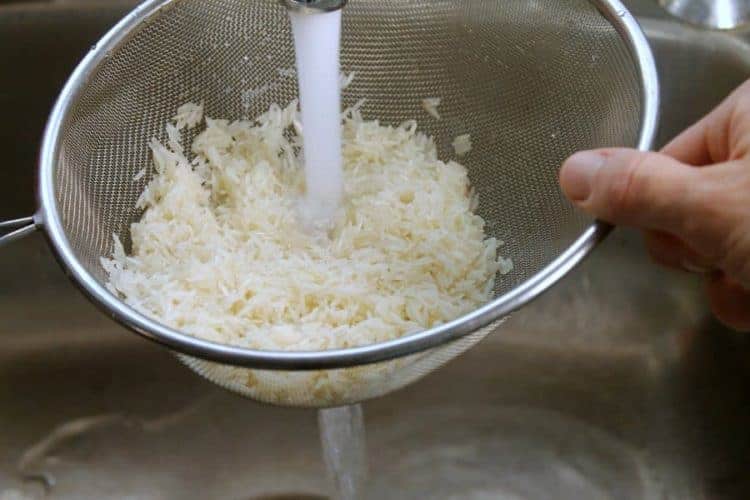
<point>445,453</point>
<point>513,454</point>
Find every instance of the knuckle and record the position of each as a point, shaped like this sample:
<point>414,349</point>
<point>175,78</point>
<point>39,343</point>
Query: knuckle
<point>627,185</point>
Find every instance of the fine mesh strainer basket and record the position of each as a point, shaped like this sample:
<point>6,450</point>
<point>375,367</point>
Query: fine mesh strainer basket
<point>531,81</point>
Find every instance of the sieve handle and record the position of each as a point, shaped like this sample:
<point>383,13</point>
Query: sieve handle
<point>12,230</point>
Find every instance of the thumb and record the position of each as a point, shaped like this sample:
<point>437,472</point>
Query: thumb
<point>631,188</point>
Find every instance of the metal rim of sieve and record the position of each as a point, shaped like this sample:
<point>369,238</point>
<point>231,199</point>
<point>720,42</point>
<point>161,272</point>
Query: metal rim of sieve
<point>48,219</point>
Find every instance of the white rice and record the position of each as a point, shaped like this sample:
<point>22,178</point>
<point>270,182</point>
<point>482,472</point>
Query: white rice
<point>219,252</point>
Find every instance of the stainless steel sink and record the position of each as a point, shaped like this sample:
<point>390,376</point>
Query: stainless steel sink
<point>617,384</point>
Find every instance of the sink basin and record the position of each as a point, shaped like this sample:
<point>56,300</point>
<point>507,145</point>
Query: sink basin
<point>617,384</point>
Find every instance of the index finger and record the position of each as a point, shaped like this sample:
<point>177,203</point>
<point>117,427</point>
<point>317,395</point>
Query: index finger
<point>691,146</point>
<point>709,140</point>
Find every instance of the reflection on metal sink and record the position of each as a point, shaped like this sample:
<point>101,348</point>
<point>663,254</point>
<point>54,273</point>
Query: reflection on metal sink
<point>617,384</point>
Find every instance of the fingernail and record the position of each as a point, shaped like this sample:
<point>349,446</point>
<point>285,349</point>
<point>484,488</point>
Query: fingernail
<point>577,175</point>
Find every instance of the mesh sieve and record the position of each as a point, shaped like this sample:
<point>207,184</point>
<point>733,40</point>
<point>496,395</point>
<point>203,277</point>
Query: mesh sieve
<point>531,81</point>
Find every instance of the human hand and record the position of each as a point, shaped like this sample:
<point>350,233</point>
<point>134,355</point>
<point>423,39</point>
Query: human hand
<point>692,200</point>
